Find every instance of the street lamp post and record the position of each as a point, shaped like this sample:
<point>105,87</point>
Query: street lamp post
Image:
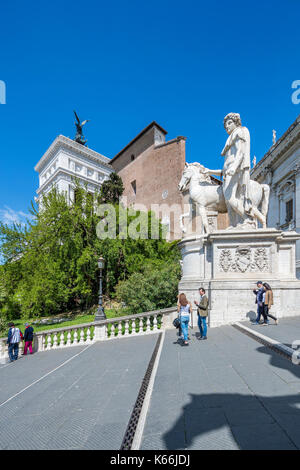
<point>100,315</point>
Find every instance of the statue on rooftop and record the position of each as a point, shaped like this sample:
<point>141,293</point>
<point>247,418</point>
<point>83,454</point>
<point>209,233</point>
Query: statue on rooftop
<point>79,137</point>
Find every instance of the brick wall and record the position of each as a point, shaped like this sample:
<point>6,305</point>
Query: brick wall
<point>153,178</point>
<point>135,149</point>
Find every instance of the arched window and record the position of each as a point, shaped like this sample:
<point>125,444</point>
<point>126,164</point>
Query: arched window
<point>132,157</point>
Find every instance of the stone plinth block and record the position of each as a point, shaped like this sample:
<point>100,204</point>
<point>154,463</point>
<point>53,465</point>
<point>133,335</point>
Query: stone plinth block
<point>229,263</point>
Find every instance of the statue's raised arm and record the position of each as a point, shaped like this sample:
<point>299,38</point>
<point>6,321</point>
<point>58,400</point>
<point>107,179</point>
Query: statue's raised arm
<point>213,172</point>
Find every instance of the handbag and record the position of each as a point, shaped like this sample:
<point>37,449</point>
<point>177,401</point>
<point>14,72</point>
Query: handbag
<point>176,322</point>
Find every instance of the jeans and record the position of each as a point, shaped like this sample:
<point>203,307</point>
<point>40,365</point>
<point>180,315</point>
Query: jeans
<point>13,351</point>
<point>184,326</point>
<point>260,312</point>
<point>202,326</point>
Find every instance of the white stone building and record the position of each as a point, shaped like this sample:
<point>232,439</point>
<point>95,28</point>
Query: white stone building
<point>280,168</point>
<point>64,160</point>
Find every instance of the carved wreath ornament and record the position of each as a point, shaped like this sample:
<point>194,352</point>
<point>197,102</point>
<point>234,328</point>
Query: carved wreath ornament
<point>244,259</point>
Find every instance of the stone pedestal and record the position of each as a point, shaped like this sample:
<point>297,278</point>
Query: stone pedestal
<point>229,263</point>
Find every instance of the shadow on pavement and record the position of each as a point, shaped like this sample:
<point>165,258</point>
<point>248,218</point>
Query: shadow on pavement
<point>236,421</point>
<point>278,361</point>
<point>251,315</point>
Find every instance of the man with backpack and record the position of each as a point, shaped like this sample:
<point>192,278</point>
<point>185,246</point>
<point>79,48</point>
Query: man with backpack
<point>13,339</point>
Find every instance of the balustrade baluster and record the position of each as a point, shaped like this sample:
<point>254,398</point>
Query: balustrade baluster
<point>155,323</point>
<point>69,338</point>
<point>48,341</point>
<point>81,336</point>
<point>75,337</point>
<point>119,329</point>
<point>55,341</point>
<point>62,339</point>
<point>112,330</point>
<point>126,328</point>
<point>133,327</point>
<point>141,326</point>
<point>148,325</point>
<point>88,336</point>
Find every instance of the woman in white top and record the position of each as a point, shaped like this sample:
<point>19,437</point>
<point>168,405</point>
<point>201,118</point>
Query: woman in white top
<point>184,308</point>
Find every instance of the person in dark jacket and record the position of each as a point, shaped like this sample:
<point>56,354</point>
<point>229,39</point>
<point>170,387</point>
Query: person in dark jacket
<point>259,292</point>
<point>28,338</point>
<point>13,338</point>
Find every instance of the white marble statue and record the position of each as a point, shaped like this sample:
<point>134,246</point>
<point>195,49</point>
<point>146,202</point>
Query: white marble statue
<point>238,195</point>
<point>208,196</point>
<point>236,178</point>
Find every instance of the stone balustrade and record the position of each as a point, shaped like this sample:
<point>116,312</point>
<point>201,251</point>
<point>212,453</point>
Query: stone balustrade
<point>105,330</point>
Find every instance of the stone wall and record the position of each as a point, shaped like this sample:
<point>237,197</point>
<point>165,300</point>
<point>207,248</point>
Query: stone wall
<point>152,179</point>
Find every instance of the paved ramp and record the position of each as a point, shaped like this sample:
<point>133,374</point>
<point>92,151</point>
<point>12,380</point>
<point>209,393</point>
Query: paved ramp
<point>287,330</point>
<point>228,392</point>
<point>77,398</point>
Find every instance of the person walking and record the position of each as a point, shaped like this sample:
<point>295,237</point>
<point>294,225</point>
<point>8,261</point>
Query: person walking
<point>259,292</point>
<point>13,339</point>
<point>268,302</point>
<point>185,309</point>
<point>28,338</point>
<point>202,313</point>
<point>180,335</point>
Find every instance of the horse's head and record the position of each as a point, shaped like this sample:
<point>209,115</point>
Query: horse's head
<point>190,170</point>
<point>186,177</point>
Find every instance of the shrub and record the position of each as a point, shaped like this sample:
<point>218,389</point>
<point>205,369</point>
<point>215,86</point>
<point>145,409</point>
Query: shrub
<point>154,289</point>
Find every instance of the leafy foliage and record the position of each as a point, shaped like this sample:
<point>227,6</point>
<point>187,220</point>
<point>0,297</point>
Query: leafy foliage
<point>152,289</point>
<point>112,189</point>
<point>50,266</point>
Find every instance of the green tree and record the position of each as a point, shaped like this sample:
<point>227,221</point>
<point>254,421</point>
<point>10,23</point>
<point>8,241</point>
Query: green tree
<point>50,266</point>
<point>112,189</point>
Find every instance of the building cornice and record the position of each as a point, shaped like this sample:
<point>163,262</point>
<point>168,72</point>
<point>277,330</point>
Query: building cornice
<point>64,142</point>
<point>62,171</point>
<point>281,147</point>
<point>173,141</point>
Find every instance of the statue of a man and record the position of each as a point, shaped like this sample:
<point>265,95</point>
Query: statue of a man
<point>236,170</point>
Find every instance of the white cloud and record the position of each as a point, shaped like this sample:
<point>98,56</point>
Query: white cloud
<point>9,216</point>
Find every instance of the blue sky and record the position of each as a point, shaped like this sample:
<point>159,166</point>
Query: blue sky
<point>122,64</point>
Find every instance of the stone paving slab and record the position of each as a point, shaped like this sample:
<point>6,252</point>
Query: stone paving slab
<point>86,404</point>
<point>29,368</point>
<point>287,330</point>
<point>231,393</point>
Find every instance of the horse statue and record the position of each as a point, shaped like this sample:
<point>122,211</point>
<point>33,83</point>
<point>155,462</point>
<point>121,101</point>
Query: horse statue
<point>208,196</point>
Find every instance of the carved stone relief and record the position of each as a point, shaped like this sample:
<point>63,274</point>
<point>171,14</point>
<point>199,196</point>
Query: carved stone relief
<point>244,259</point>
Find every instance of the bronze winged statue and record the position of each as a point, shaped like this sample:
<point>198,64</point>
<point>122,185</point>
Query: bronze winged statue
<point>79,137</point>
